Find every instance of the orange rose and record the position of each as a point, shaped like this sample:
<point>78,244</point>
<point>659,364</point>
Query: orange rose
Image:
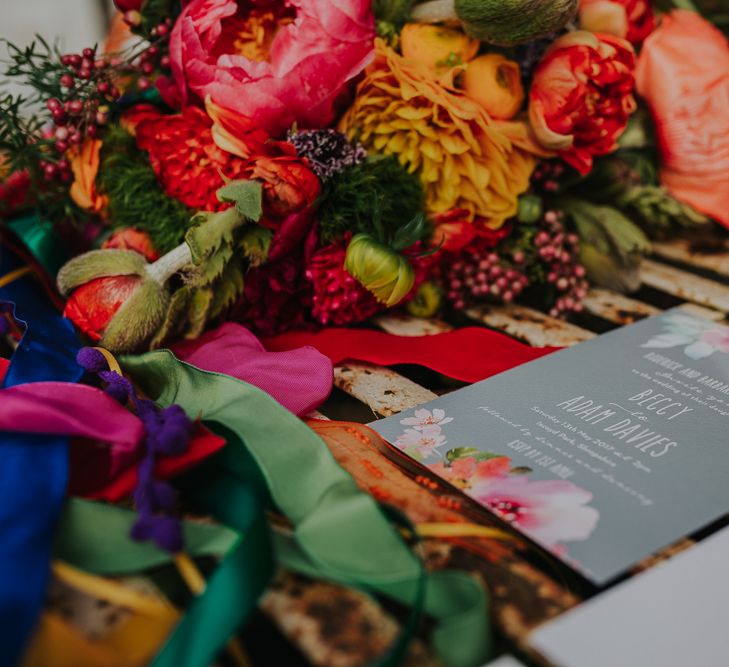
<point>436,46</point>
<point>495,83</point>
<point>683,74</point>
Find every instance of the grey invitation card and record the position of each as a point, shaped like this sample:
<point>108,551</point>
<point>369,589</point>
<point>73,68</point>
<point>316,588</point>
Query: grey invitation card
<point>602,453</point>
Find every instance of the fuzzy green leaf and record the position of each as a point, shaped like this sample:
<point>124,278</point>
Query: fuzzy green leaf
<point>210,269</point>
<point>255,244</point>
<point>174,318</point>
<point>247,197</point>
<point>227,289</point>
<point>139,317</point>
<point>211,232</point>
<point>99,264</point>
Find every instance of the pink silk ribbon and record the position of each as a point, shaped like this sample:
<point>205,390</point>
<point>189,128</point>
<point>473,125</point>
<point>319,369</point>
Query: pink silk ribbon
<point>299,379</point>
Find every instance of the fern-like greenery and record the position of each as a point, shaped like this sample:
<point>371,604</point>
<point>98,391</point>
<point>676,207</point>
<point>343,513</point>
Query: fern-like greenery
<point>135,197</point>
<point>378,194</point>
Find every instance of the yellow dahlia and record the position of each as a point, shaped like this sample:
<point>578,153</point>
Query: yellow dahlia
<point>465,159</point>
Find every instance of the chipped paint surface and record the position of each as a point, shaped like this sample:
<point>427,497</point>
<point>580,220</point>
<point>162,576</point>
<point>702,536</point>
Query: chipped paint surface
<point>529,325</point>
<point>406,325</point>
<point>712,255</point>
<point>383,390</point>
<point>685,285</point>
<point>617,308</point>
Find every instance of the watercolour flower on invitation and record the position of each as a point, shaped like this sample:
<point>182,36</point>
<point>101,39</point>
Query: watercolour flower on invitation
<point>699,338</point>
<point>548,511</point>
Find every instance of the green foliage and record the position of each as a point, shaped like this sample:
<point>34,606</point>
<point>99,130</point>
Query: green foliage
<point>391,15</point>
<point>377,197</point>
<point>135,197</point>
<point>247,197</point>
<point>155,12</point>
<point>466,452</point>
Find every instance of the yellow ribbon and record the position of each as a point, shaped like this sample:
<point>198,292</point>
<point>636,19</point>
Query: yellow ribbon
<point>14,275</point>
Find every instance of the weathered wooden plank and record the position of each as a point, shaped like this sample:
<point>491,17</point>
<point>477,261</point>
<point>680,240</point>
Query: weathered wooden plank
<point>711,256</point>
<point>530,325</point>
<point>383,390</point>
<point>615,307</point>
<point>334,626</point>
<point>685,285</point>
<point>407,325</point>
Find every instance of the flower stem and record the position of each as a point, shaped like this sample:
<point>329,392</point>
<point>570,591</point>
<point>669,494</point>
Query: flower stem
<point>435,11</point>
<point>169,264</point>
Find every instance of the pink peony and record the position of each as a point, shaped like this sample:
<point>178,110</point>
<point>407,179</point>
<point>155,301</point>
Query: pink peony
<point>548,511</point>
<point>275,65</point>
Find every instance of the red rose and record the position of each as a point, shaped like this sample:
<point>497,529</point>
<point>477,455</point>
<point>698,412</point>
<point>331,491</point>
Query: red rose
<point>628,19</point>
<point>582,96</point>
<point>289,186</point>
<point>93,304</point>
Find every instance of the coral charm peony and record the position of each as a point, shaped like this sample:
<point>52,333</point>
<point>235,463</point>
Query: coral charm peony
<point>274,73</point>
<point>689,104</point>
<point>582,96</point>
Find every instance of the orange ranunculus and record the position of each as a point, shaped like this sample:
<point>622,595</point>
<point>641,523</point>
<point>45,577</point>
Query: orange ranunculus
<point>683,74</point>
<point>436,46</point>
<point>85,166</point>
<point>130,238</point>
<point>582,96</point>
<point>628,19</point>
<point>495,83</point>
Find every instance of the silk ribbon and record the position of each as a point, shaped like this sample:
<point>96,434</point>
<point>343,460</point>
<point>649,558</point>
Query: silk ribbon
<point>469,354</point>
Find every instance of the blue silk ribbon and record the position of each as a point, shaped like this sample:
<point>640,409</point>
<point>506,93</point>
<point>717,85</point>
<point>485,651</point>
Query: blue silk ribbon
<point>33,469</point>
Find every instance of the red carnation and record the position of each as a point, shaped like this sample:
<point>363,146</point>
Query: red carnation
<point>582,96</point>
<point>185,158</point>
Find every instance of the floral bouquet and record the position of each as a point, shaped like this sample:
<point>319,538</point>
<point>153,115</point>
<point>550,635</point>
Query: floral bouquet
<point>295,165</point>
<point>305,165</point>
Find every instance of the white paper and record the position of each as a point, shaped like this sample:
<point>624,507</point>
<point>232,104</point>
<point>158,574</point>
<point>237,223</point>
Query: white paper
<point>673,615</point>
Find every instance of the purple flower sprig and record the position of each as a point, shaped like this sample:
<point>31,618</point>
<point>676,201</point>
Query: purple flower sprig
<point>328,151</point>
<point>167,432</point>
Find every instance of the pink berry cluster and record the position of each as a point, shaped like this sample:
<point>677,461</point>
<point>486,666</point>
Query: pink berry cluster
<point>149,61</point>
<point>88,89</point>
<point>479,272</point>
<point>559,251</point>
<point>547,174</point>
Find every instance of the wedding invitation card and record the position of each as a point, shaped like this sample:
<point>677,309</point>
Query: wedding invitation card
<point>602,453</point>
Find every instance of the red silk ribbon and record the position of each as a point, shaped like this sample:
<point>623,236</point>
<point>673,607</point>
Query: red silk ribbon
<point>469,354</point>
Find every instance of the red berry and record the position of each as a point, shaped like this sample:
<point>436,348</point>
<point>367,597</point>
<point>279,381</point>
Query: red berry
<point>114,93</point>
<point>88,52</point>
<point>164,62</point>
<point>84,73</point>
<point>59,116</point>
<point>132,18</point>
<point>61,146</point>
<point>75,137</point>
<point>74,59</point>
<point>162,29</point>
<point>92,131</point>
<point>63,165</point>
<point>66,81</point>
<point>61,133</point>
<point>143,83</point>
<point>66,59</point>
<point>53,104</point>
<point>147,68</point>
<point>103,87</point>
<point>50,171</point>
<point>151,52</point>
<point>75,106</point>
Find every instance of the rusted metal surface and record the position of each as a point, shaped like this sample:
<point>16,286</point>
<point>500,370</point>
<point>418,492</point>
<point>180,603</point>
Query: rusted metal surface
<point>685,285</point>
<point>617,308</point>
<point>708,254</point>
<point>383,390</point>
<point>530,325</point>
<point>406,325</point>
<point>334,626</point>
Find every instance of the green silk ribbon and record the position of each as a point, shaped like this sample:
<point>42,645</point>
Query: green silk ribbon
<point>339,532</point>
<point>41,239</point>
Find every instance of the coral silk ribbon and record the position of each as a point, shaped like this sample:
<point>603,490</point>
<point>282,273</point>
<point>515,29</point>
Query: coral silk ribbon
<point>469,354</point>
